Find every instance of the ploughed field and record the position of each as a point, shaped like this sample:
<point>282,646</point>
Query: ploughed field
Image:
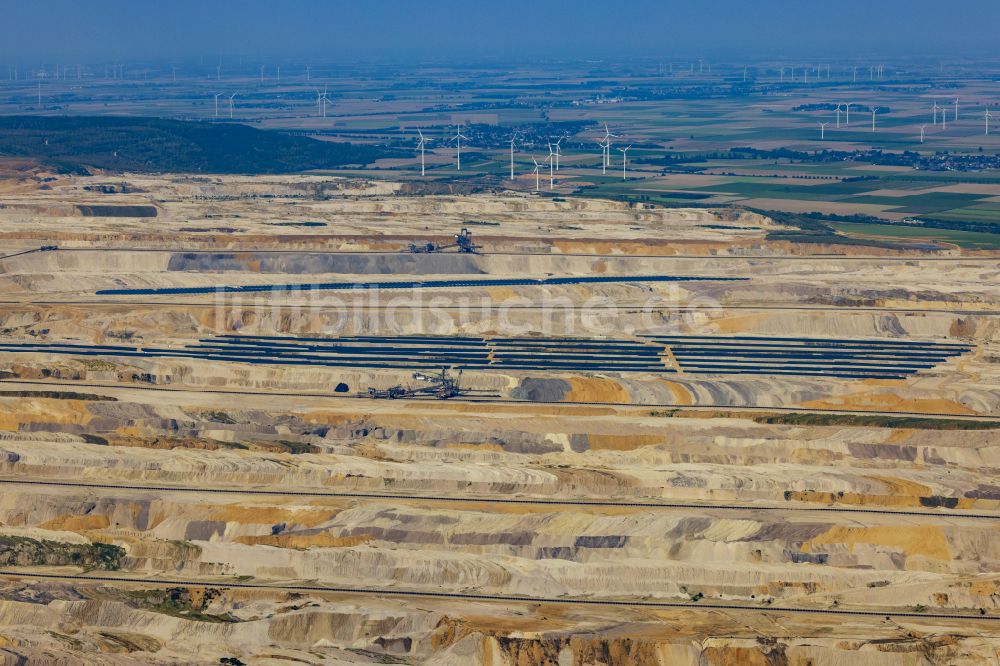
<point>675,441</point>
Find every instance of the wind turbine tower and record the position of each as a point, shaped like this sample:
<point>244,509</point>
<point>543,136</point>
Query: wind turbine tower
<point>231,103</point>
<point>217,96</point>
<point>923,128</point>
<point>513,138</point>
<point>551,160</point>
<point>838,116</point>
<point>874,109</point>
<point>458,147</point>
<point>624,152</point>
<point>420,145</point>
<point>822,131</point>
<point>537,167</point>
<point>986,117</point>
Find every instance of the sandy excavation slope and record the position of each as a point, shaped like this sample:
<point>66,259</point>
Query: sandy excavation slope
<point>901,518</point>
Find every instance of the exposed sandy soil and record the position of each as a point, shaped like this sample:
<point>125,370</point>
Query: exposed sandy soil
<point>762,515</point>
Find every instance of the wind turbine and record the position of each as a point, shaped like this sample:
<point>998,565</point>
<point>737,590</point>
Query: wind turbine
<point>874,109</point>
<point>956,110</point>
<point>537,167</point>
<point>607,146</point>
<point>550,159</point>
<point>262,74</point>
<point>558,152</point>
<point>603,143</point>
<point>782,75</point>
<point>321,101</point>
<point>838,116</point>
<point>624,152</point>
<point>458,146</point>
<point>420,145</point>
<point>847,107</point>
<point>855,75</point>
<point>513,138</point>
<point>986,117</point>
<point>944,117</point>
<point>231,104</point>
<point>935,111</point>
<point>822,131</point>
<point>217,96</point>
<point>307,72</point>
<point>174,70</point>
<point>922,129</point>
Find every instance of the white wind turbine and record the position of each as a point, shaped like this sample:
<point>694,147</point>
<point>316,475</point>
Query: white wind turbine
<point>420,145</point>
<point>944,117</point>
<point>874,109</point>
<point>607,146</point>
<point>537,168</point>
<point>513,139</point>
<point>307,72</point>
<point>325,100</point>
<point>923,128</point>
<point>838,116</point>
<point>955,118</point>
<point>458,147</point>
<point>603,143</point>
<point>847,108</point>
<point>986,117</point>
<point>551,160</point>
<point>558,152</point>
<point>624,152</point>
<point>231,103</point>
<point>934,109</point>
<point>822,131</point>
<point>262,74</point>
<point>217,96</point>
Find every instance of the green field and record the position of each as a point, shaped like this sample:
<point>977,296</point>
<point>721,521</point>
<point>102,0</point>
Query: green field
<point>966,239</point>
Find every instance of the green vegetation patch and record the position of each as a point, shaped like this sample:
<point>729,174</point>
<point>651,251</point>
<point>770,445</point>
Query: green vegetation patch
<point>919,204</point>
<point>848,420</point>
<point>876,421</point>
<point>188,603</point>
<point>58,395</point>
<point>158,145</point>
<point>967,239</point>
<point>25,552</point>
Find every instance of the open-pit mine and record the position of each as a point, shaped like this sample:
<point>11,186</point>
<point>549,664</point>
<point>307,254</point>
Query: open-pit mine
<point>287,419</point>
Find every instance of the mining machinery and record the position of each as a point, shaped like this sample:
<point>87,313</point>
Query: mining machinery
<point>463,243</point>
<point>440,385</point>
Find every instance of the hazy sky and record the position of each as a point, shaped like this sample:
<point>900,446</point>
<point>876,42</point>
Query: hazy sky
<point>94,30</point>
